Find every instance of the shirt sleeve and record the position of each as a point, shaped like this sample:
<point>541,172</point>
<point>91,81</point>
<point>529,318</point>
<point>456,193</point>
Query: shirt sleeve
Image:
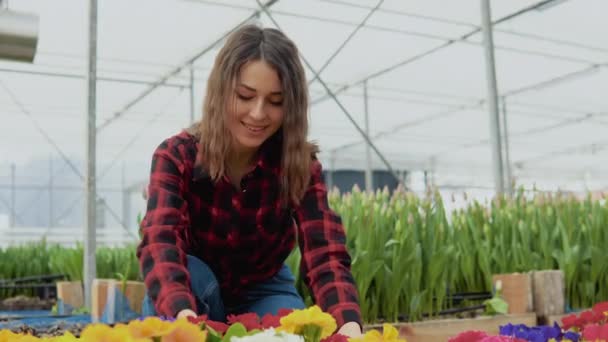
<point>162,252</point>
<point>325,260</point>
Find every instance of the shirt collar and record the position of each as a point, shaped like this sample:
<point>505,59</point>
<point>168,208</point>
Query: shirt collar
<point>268,159</point>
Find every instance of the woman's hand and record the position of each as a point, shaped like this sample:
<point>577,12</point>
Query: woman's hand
<point>350,329</point>
<point>186,313</point>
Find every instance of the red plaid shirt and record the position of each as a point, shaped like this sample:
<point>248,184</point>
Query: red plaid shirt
<point>244,236</point>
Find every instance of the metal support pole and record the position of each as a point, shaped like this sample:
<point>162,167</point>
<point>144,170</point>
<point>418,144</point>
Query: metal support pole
<point>91,135</point>
<point>486,24</point>
<point>369,186</point>
<point>330,173</point>
<point>505,132</point>
<point>51,199</point>
<point>192,106</point>
<point>126,200</point>
<point>11,222</point>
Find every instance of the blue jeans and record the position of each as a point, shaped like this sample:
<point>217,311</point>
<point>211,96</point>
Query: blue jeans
<point>266,297</point>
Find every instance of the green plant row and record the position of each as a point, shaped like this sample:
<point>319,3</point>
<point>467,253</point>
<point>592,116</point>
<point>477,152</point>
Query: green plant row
<point>408,254</point>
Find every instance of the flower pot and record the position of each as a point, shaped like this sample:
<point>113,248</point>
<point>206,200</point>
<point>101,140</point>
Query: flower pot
<point>516,291</point>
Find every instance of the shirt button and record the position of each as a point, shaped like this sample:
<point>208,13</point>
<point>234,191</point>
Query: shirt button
<point>244,190</point>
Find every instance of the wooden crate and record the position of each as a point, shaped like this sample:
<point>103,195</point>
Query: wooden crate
<point>71,293</point>
<point>443,329</point>
<point>135,292</point>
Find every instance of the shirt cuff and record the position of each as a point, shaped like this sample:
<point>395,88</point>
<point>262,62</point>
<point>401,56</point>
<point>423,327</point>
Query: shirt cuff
<point>345,313</point>
<point>171,306</point>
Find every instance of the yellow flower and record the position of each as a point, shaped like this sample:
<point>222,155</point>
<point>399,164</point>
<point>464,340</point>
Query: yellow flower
<point>7,335</point>
<point>389,334</point>
<point>67,337</point>
<point>104,333</point>
<point>295,322</point>
<point>185,331</point>
<point>150,327</point>
<point>26,338</point>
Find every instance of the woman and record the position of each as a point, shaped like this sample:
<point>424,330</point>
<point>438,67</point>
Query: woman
<point>229,197</point>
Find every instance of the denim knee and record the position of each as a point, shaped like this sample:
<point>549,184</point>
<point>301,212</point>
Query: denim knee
<point>205,288</point>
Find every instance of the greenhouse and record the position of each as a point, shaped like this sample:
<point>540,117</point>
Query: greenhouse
<point>462,164</point>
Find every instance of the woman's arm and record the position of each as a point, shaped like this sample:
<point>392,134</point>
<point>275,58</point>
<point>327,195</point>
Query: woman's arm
<point>325,260</point>
<point>162,251</point>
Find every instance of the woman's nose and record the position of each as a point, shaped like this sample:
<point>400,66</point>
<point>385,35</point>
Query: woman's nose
<point>257,112</point>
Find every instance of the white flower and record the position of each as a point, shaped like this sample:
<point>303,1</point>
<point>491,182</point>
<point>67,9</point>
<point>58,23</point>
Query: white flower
<point>269,335</point>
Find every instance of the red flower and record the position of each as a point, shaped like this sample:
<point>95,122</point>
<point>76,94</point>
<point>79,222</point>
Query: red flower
<point>569,322</point>
<point>217,326</point>
<point>469,336</point>
<point>601,309</point>
<point>596,332</point>
<point>591,317</point>
<point>250,320</point>
<point>271,321</point>
<point>197,320</point>
<point>591,332</point>
<point>335,338</point>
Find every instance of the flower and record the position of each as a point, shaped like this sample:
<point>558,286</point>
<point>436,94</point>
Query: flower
<point>569,322</point>
<point>104,333</point>
<point>150,327</point>
<point>501,339</point>
<point>596,332</point>
<point>601,308</point>
<point>571,336</point>
<point>250,320</point>
<point>184,331</point>
<point>272,321</point>
<point>469,336</point>
<point>540,333</point>
<point>67,337</point>
<point>303,322</point>
<point>269,335</point>
<point>335,338</point>
<point>389,334</point>
<point>219,327</point>
<point>7,335</point>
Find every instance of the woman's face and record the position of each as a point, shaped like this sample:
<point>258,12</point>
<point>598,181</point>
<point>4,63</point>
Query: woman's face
<point>257,111</point>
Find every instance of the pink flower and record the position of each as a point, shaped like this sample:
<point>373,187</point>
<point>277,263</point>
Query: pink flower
<point>596,332</point>
<point>469,336</point>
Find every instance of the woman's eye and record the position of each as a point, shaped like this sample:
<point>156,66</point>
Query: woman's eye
<point>276,103</point>
<point>243,97</point>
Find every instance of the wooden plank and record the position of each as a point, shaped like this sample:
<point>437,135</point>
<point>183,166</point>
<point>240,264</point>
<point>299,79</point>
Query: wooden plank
<point>443,330</point>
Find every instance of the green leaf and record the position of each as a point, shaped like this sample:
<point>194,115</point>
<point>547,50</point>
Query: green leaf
<point>496,305</point>
<point>235,330</point>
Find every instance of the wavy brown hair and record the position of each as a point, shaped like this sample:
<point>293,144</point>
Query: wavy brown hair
<point>252,43</point>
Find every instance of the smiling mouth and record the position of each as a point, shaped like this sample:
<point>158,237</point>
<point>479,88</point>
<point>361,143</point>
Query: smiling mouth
<point>254,129</point>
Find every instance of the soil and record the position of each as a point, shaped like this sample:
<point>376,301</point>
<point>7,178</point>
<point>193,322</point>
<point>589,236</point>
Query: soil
<point>51,331</point>
<point>26,303</point>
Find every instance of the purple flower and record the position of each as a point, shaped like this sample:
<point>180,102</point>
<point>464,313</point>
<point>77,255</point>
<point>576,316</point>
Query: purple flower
<point>532,334</point>
<point>572,336</point>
